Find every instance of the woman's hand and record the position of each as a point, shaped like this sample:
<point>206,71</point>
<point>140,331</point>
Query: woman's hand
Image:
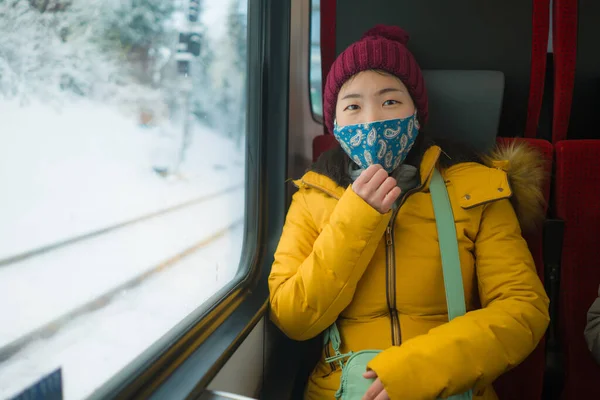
<point>376,391</point>
<point>377,188</point>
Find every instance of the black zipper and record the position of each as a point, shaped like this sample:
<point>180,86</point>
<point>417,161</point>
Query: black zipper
<point>388,281</point>
<point>390,267</point>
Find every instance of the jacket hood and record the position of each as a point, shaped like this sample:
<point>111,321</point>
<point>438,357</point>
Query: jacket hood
<point>524,166</point>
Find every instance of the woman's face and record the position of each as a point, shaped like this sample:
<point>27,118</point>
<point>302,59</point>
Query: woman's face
<point>372,96</point>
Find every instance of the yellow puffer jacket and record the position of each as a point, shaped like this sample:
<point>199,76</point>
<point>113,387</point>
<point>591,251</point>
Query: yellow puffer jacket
<point>380,277</point>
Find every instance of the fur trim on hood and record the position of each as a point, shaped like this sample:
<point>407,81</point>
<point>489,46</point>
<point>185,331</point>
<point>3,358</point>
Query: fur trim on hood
<point>526,169</point>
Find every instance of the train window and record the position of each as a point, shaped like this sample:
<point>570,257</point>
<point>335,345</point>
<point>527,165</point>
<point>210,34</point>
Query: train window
<point>315,59</point>
<point>123,175</point>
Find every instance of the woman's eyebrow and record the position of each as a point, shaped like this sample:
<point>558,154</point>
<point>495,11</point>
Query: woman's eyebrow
<point>379,93</point>
<point>352,96</point>
<point>388,90</point>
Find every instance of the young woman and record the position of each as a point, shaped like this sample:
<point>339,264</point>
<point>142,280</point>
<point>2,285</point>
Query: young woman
<point>360,245</point>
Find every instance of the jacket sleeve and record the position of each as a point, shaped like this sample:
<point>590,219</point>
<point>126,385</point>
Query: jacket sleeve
<point>314,275</point>
<point>471,351</point>
<point>592,329</point>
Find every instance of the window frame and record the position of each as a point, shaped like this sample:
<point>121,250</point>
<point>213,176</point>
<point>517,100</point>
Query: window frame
<point>184,361</point>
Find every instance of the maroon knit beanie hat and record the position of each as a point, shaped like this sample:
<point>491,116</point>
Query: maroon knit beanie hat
<point>383,48</point>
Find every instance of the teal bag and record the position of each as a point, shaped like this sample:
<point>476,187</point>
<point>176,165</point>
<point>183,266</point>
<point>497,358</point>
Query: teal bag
<point>352,385</point>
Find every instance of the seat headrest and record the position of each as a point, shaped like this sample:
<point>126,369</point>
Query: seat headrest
<point>465,106</point>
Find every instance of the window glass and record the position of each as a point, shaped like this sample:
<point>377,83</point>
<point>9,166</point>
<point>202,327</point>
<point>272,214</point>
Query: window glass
<point>315,59</point>
<point>122,168</point>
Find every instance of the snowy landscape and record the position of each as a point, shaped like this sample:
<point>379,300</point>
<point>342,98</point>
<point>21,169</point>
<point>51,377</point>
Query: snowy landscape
<point>140,222</point>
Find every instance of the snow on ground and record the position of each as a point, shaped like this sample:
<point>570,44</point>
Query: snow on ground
<point>87,167</point>
<point>83,271</point>
<point>95,347</point>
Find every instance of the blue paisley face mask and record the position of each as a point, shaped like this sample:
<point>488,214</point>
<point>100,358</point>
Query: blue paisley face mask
<point>381,142</point>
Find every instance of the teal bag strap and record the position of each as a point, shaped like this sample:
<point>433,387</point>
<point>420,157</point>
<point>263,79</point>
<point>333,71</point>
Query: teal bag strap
<point>332,334</point>
<point>453,283</point>
<point>444,219</point>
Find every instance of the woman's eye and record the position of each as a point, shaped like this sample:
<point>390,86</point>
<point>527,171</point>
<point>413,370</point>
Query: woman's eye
<point>390,102</point>
<point>351,107</point>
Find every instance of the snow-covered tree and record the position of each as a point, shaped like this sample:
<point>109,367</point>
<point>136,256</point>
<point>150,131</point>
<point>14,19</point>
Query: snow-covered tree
<point>230,74</point>
<point>56,50</point>
<point>44,54</point>
<point>137,27</point>
<point>237,32</point>
<point>140,23</point>
<point>50,5</point>
<point>203,99</point>
<point>122,52</point>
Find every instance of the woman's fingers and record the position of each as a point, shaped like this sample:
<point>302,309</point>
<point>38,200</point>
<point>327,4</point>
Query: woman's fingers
<point>389,199</point>
<point>384,189</point>
<point>377,180</point>
<point>367,174</point>
<point>370,375</point>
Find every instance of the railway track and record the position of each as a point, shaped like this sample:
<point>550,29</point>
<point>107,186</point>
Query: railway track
<point>79,238</point>
<point>49,329</point>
